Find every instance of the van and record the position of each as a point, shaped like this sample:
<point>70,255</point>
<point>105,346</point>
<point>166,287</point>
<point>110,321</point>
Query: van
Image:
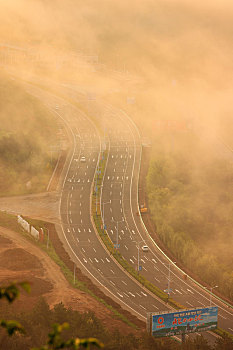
<point>145,248</point>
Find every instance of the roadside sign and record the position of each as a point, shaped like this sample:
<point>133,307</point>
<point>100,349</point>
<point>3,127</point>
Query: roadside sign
<point>140,268</point>
<point>166,324</point>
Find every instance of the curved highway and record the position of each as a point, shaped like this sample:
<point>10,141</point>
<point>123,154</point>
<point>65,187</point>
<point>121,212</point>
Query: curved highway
<point>119,204</point>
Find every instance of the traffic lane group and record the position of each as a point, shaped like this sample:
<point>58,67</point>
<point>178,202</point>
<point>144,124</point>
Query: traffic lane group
<point>187,291</point>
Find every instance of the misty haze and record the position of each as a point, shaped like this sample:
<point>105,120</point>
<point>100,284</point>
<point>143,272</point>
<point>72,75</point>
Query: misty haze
<point>116,174</point>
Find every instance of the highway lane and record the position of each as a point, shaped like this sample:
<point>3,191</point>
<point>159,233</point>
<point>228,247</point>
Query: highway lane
<point>124,160</point>
<point>76,216</point>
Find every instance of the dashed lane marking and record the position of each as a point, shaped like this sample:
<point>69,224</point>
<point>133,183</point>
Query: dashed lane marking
<point>120,295</point>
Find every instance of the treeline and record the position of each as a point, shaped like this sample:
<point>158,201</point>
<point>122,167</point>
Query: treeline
<point>38,322</point>
<point>191,204</point>
<point>27,132</point>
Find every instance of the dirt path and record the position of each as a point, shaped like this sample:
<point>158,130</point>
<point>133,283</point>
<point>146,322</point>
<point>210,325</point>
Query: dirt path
<point>22,260</point>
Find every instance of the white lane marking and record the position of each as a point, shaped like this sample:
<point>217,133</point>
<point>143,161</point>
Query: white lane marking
<point>126,294</point>
<point>145,295</point>
<point>139,295</point>
<point>155,306</point>
<point>80,204</point>
<point>144,268</point>
<point>89,230</point>
<point>100,271</point>
<point>70,212</point>
<point>71,195</point>
<point>68,230</point>
<point>108,177</point>
<point>143,261</point>
<point>131,294</point>
<point>73,229</point>
<point>80,196</point>
<point>178,291</point>
<point>142,306</point>
<point>131,261</point>
<point>79,230</point>
<point>71,221</point>
<point>107,259</point>
<point>89,240</point>
<point>83,250</point>
<point>201,303</point>
<point>120,237</point>
<point>110,210</point>
<point>222,316</point>
<point>134,257</point>
<point>157,279</point>
<point>77,239</point>
<point>96,260</point>
<point>70,204</point>
<point>72,188</point>
<point>230,329</point>
<point>80,212</point>
<point>91,260</point>
<point>112,282</point>
<point>88,180</point>
<point>110,193</point>
<point>124,282</point>
<point>126,247</point>
<point>81,221</point>
<point>145,257</point>
<point>94,250</point>
<point>85,260</point>
<point>190,291</point>
<point>112,272</point>
<point>120,295</point>
<point>189,303</point>
<point>111,232</point>
<point>133,232</point>
<point>78,180</point>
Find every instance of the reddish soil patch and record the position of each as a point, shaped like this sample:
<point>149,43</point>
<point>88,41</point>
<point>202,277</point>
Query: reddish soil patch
<point>4,241</point>
<point>18,259</point>
<point>47,280</point>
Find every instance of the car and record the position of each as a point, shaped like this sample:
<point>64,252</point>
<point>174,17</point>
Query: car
<point>145,248</point>
<point>83,159</point>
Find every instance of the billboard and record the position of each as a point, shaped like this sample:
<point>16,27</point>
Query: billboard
<point>183,321</point>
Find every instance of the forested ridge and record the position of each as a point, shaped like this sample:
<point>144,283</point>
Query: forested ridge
<point>27,132</point>
<point>190,198</point>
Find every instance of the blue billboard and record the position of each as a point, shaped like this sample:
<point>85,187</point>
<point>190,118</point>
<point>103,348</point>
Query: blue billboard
<point>183,321</point>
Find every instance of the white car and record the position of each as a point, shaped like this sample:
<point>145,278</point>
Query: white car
<point>83,159</point>
<point>145,248</point>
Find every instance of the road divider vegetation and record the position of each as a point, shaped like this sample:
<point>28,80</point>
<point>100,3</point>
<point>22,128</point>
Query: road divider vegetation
<point>96,213</point>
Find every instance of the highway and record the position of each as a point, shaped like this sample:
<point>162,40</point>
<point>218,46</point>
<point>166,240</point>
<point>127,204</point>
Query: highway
<point>120,186</point>
<point>119,203</point>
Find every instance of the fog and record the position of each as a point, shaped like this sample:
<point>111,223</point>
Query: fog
<point>174,57</point>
